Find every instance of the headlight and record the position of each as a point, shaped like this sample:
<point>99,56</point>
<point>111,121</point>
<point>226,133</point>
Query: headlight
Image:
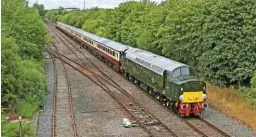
<point>203,88</point>
<point>204,96</point>
<point>204,105</point>
<point>181,97</point>
<point>181,89</point>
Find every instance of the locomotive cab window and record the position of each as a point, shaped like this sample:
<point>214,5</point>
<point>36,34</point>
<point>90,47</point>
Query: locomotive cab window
<point>176,73</point>
<point>180,72</point>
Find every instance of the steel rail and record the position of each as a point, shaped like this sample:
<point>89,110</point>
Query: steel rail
<point>54,95</point>
<point>214,127</point>
<point>69,96</point>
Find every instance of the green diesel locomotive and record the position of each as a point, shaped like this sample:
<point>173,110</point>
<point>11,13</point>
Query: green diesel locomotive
<point>168,81</point>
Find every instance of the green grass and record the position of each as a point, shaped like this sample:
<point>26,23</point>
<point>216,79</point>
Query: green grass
<point>27,109</point>
<point>13,129</point>
<point>248,94</point>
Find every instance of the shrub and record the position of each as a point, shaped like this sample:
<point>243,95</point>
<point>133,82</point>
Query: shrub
<point>249,95</point>
<point>253,81</point>
<point>13,129</point>
<point>27,109</point>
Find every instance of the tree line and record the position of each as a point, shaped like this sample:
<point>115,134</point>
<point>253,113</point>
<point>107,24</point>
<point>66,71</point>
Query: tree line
<point>23,38</point>
<point>215,37</point>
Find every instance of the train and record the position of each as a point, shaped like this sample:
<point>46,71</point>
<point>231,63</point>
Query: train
<point>171,82</point>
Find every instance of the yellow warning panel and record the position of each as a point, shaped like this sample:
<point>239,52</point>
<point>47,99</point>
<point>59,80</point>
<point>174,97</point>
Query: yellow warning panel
<point>191,97</point>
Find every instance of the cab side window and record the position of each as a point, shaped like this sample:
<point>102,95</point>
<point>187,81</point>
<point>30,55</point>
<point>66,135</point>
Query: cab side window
<point>176,73</point>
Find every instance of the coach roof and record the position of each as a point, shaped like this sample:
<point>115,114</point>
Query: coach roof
<point>104,41</point>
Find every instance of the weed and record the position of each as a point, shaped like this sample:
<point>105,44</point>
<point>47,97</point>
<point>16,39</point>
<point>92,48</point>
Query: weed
<point>231,102</point>
<point>27,109</point>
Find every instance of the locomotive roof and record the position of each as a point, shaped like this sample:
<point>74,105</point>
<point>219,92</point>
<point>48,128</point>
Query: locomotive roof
<point>107,42</point>
<point>152,61</point>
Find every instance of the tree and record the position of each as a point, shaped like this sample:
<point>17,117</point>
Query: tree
<point>40,8</point>
<point>23,39</point>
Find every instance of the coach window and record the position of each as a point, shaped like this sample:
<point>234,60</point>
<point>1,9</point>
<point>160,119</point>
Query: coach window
<point>114,53</point>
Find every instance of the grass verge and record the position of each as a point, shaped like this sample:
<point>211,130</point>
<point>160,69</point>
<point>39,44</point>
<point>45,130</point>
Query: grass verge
<point>13,129</point>
<point>231,102</point>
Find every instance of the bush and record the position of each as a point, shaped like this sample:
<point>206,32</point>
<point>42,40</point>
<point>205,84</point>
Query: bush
<point>253,81</point>
<point>27,109</point>
<point>249,95</point>
<point>13,129</point>
<point>32,81</point>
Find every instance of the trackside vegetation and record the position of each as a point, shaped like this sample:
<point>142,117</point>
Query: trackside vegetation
<point>215,37</point>
<point>23,79</point>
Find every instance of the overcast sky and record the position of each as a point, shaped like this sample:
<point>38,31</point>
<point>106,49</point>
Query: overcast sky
<point>53,4</point>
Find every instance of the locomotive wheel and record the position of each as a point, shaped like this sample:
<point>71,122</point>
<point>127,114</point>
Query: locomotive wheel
<point>157,96</point>
<point>168,104</point>
<point>126,75</point>
<point>150,92</point>
<point>137,82</point>
<point>131,78</point>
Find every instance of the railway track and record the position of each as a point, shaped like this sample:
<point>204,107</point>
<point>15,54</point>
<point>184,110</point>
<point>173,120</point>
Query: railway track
<point>71,114</point>
<point>206,128</point>
<point>54,94</point>
<point>150,123</point>
<point>199,125</point>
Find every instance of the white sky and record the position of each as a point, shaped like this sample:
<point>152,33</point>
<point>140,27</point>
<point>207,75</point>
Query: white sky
<point>53,4</point>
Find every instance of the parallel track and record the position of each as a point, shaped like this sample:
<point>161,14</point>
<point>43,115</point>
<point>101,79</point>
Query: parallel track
<point>197,128</point>
<point>145,119</point>
<point>55,95</point>
<point>206,128</point>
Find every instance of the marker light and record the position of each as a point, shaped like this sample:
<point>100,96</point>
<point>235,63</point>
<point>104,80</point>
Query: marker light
<point>181,97</point>
<point>204,96</point>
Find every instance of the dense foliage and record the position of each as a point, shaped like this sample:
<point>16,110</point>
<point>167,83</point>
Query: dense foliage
<point>253,81</point>
<point>215,37</point>
<point>23,38</point>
